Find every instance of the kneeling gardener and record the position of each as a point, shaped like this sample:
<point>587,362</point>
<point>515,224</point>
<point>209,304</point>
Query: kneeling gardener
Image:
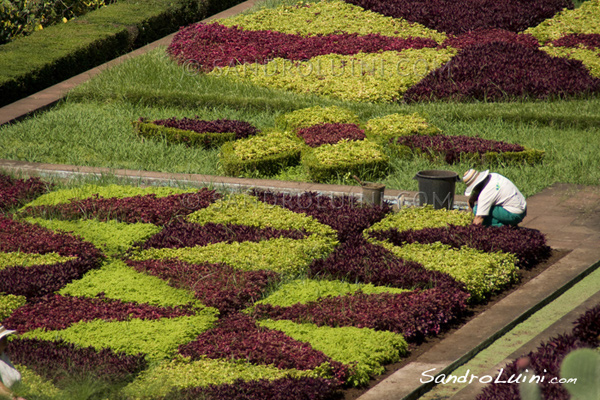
<point>499,202</point>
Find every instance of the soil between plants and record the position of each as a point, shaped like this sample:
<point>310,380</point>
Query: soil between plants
<point>415,350</point>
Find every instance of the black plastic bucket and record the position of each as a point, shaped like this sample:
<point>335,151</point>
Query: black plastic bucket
<point>373,193</point>
<point>437,188</point>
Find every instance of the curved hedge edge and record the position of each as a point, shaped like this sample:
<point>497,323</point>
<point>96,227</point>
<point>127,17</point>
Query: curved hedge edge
<point>365,169</point>
<point>115,36</point>
<point>527,156</point>
<point>181,136</point>
<point>268,165</point>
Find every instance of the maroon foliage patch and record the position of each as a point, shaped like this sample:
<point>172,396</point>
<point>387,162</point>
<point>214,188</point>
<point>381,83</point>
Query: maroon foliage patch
<point>590,41</point>
<point>16,192</point>
<point>241,129</point>
<point>316,135</point>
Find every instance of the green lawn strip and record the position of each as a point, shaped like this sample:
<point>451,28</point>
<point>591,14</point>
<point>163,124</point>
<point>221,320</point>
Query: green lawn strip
<point>329,17</point>
<point>366,350</point>
<point>112,237</point>
<point>19,259</point>
<point>157,339</point>
<point>107,191</point>
<point>286,256</point>
<point>9,303</point>
<point>119,281</point>
<point>307,290</point>
<point>417,218</point>
<point>181,373</point>
<point>520,335</point>
<point>482,273</point>
<point>60,51</point>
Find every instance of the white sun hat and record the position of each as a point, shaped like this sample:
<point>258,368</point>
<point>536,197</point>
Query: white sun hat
<point>472,178</point>
<point>5,332</point>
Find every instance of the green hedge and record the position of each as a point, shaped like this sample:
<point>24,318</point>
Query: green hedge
<point>9,303</point>
<point>180,136</point>
<point>344,159</point>
<point>391,126</point>
<point>48,56</point>
<point>305,117</point>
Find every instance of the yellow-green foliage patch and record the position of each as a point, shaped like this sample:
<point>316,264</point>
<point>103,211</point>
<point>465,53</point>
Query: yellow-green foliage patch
<point>366,350</point>
<point>584,19</point>
<point>119,281</point>
<point>112,237</point>
<point>33,386</point>
<point>417,218</point>
<point>108,191</point>
<point>589,58</point>
<point>19,259</point>
<point>482,273</point>
<point>383,129</point>
<point>9,303</point>
<point>182,373</point>
<point>157,339</point>
<point>305,117</point>
<point>306,290</point>
<point>329,17</point>
<point>373,77</point>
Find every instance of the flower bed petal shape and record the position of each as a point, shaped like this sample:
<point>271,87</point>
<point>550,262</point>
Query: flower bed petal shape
<point>307,117</point>
<point>365,349</point>
<point>216,285</point>
<point>455,17</point>
<point>384,128</point>
<point>417,218</point>
<point>363,158</point>
<point>327,18</point>
<point>503,71</point>
<point>317,135</point>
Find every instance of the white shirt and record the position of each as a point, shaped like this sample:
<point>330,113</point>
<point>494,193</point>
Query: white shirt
<point>8,374</point>
<point>500,191</point>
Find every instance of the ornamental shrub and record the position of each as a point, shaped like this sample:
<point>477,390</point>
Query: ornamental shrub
<point>307,117</point>
<point>346,158</point>
<point>306,290</point>
<point>211,46</point>
<point>363,348</point>
<point>583,19</point>
<point>140,208</point>
<point>482,273</point>
<point>239,337</point>
<point>316,135</point>
<point>55,312</point>
<point>16,192</point>
<point>360,261</point>
<point>116,280</point>
<point>346,214</point>
<point>265,154</point>
<point>417,218</point>
<point>511,15</point>
<point>180,235</point>
<point>112,237</point>
<point>373,77</point>
<point>383,129</point>
<point>59,361</point>
<point>499,71</point>
<point>328,18</point>
<point>529,245</point>
<point>195,132</point>
<point>301,388</point>
<point>400,313</point>
<point>9,303</point>
<point>484,36</point>
<point>216,285</point>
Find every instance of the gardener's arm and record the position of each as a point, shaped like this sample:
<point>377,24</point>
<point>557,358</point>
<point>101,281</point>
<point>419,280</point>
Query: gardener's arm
<point>5,393</point>
<point>478,220</point>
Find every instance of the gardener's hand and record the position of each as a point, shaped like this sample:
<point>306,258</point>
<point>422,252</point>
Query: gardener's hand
<point>477,220</point>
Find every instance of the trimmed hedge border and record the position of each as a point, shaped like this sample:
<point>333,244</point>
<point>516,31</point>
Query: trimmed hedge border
<point>58,52</point>
<point>180,136</point>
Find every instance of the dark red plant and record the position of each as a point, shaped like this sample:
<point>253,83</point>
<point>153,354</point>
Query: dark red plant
<point>147,208</point>
<point>55,312</point>
<point>239,336</point>
<point>529,245</point>
<point>360,261</point>
<point>590,41</point>
<point>346,214</point>
<point>183,234</point>
<point>207,46</point>
<point>488,36</point>
<point>17,192</point>
<point>216,285</point>
<point>58,361</point>
<point>503,71</point>
<point>458,17</point>
<point>316,135</point>
<point>241,129</point>
<point>415,314</point>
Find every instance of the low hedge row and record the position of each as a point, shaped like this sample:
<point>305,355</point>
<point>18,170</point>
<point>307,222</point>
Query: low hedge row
<point>383,129</point>
<point>58,52</point>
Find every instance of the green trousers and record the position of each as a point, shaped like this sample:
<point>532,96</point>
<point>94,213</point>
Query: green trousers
<point>498,216</point>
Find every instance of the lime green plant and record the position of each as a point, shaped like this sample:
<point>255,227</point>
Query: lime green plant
<point>384,128</point>
<point>305,117</point>
<point>417,218</point>
<point>583,19</point>
<point>589,58</point>
<point>9,303</point>
<point>18,258</point>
